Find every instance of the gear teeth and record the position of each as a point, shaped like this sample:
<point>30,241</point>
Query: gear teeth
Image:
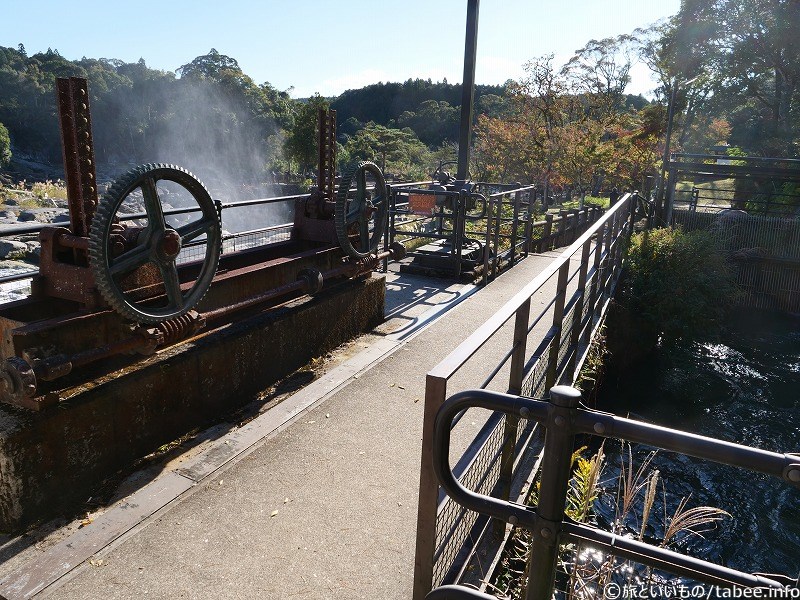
<point>340,218</point>
<point>101,228</point>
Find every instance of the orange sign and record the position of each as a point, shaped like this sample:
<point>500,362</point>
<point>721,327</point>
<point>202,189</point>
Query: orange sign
<point>422,204</point>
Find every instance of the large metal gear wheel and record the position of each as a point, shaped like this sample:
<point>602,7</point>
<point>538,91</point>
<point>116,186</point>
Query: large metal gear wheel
<point>364,215</point>
<point>157,244</point>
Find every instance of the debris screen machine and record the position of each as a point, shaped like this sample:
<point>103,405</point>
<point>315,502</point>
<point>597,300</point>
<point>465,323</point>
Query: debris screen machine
<point>143,267</point>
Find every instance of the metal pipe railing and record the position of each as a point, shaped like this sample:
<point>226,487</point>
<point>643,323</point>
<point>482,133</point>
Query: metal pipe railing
<point>563,418</point>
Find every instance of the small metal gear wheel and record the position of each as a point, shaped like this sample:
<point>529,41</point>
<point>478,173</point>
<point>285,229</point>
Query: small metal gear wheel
<point>155,243</point>
<point>362,217</point>
<point>17,380</point>
<point>313,279</point>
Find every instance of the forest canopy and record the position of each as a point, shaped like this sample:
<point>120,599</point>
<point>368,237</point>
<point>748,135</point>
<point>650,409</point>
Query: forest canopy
<point>730,68</point>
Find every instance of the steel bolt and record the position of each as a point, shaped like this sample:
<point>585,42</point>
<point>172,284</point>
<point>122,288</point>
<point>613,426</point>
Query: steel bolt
<point>524,412</point>
<point>512,520</point>
<point>793,475</point>
<point>546,532</point>
<point>599,428</point>
<point>560,421</point>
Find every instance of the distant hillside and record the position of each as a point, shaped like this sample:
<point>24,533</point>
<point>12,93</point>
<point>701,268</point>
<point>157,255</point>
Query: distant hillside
<point>385,102</point>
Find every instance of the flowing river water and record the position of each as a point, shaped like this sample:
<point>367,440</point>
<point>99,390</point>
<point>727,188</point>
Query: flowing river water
<point>744,388</point>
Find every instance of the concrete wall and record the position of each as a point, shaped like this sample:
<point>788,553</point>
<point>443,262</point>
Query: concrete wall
<point>53,460</point>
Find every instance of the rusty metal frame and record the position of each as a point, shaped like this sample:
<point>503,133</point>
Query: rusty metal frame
<point>327,154</point>
<point>79,163</point>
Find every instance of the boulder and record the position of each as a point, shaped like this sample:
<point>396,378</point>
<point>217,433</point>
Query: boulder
<point>11,249</point>
<point>41,215</point>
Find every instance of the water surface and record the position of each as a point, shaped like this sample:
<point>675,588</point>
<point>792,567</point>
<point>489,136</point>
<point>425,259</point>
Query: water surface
<point>743,388</point>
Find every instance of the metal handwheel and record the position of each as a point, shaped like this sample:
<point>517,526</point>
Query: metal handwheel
<point>361,220</point>
<point>117,253</point>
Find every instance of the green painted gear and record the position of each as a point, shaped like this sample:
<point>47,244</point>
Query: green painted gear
<point>365,208</point>
<point>158,244</point>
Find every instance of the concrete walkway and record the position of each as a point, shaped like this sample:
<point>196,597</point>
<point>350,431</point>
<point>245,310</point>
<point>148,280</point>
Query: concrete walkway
<point>316,498</point>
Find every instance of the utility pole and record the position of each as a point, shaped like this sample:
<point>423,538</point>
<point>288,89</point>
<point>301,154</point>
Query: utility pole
<point>468,89</point>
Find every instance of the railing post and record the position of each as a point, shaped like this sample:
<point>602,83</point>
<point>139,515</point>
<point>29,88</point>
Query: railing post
<point>614,251</point>
<point>558,323</point>
<point>574,230</point>
<point>515,228</point>
<point>516,375</point>
<point>458,231</point>
<point>392,214</point>
<point>623,226</point>
<point>634,199</point>
<point>488,246</point>
<point>577,320</point>
<point>529,222</point>
<point>598,253</point>
<point>546,243</point>
<point>559,441</point>
<point>498,222</point>
<point>387,232</point>
<point>561,240</point>
<point>427,507</point>
<point>607,241</point>
<point>671,183</point>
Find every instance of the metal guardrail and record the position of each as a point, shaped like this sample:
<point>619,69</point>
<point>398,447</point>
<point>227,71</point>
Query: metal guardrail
<point>734,230</point>
<point>230,241</point>
<point>765,251</point>
<point>563,417</point>
<point>501,225</point>
<point>584,275</point>
<point>19,283</point>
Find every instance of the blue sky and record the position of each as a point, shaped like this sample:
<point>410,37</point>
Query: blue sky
<point>329,46</point>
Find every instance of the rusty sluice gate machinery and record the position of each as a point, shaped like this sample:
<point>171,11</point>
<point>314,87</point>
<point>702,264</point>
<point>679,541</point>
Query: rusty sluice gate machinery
<point>131,275</point>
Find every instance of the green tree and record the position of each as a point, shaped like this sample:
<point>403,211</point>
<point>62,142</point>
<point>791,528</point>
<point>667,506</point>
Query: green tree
<point>396,150</point>
<point>677,287</point>
<point>301,142</point>
<point>5,146</point>
<point>602,68</point>
<point>748,52</point>
<point>434,122</point>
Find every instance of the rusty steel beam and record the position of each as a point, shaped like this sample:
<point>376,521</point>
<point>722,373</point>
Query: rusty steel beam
<point>327,153</point>
<point>76,138</point>
<point>18,377</point>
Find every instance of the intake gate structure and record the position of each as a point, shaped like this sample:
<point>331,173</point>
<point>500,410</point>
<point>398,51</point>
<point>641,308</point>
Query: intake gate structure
<point>146,319</point>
